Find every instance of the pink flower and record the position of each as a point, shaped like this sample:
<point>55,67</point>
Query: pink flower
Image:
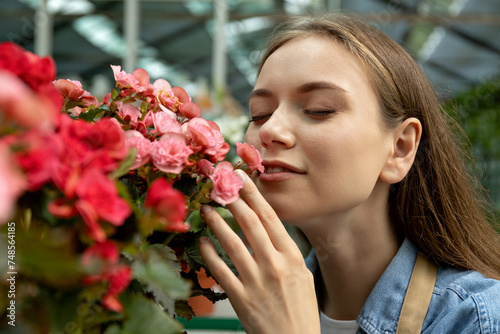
<point>181,95</point>
<point>168,205</point>
<point>143,85</point>
<point>77,111</point>
<point>24,106</point>
<point>165,95</point>
<point>69,88</point>
<point>165,122</point>
<point>205,167</point>
<point>134,139</point>
<point>12,184</point>
<point>205,135</point>
<point>98,199</point>
<point>221,154</point>
<point>170,153</point>
<point>123,79</point>
<point>72,89</point>
<point>249,154</point>
<point>148,119</point>
<point>190,110</point>
<point>226,184</point>
<point>142,77</point>
<point>128,112</point>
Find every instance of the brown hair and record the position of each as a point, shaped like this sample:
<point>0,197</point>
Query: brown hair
<point>438,205</point>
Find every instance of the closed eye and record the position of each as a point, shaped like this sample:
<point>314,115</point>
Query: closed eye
<point>261,117</point>
<point>319,112</point>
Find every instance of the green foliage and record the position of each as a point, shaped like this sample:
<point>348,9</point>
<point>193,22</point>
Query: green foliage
<point>478,112</point>
<point>145,316</point>
<point>157,268</point>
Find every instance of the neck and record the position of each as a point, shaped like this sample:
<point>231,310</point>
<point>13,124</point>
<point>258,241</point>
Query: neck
<point>353,250</point>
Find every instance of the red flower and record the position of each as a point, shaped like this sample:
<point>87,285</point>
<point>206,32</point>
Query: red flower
<point>105,252</point>
<point>41,152</point>
<point>41,71</point>
<point>100,144</point>
<point>118,277</point>
<point>36,72</point>
<point>168,205</point>
<point>13,59</point>
<point>98,198</point>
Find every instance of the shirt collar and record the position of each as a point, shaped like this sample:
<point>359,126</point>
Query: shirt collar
<point>380,313</point>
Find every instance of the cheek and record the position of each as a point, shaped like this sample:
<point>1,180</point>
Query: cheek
<point>252,137</point>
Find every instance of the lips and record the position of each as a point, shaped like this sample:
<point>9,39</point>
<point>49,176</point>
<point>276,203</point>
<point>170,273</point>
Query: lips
<point>278,170</point>
<point>272,170</point>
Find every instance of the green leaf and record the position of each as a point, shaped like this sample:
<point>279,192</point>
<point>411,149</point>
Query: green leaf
<point>193,255</point>
<point>114,93</point>
<point>113,329</point>
<point>159,271</point>
<point>92,114</point>
<point>62,308</point>
<point>183,309</point>
<point>125,165</point>
<point>144,316</point>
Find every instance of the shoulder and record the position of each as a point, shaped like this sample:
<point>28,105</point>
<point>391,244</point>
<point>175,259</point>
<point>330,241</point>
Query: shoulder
<point>464,302</point>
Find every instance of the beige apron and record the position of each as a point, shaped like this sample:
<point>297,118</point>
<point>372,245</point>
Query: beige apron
<point>418,296</point>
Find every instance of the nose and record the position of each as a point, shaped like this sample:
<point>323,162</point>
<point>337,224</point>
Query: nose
<point>277,131</point>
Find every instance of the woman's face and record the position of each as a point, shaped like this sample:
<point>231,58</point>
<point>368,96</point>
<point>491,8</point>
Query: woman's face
<point>319,130</point>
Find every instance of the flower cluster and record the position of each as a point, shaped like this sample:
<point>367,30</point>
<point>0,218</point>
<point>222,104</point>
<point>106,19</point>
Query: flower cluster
<point>116,175</point>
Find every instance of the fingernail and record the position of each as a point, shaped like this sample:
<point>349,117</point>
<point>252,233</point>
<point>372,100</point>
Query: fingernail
<point>204,240</point>
<point>241,174</point>
<point>205,209</point>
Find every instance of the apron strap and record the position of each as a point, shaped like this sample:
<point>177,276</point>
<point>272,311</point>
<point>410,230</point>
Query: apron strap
<point>418,296</point>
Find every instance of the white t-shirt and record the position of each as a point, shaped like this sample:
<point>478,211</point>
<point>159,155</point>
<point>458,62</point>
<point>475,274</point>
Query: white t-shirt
<point>331,326</point>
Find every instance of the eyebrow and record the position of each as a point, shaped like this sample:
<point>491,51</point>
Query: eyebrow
<point>305,88</point>
<point>315,85</point>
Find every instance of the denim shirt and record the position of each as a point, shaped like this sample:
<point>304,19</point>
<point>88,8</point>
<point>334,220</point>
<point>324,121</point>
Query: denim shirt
<point>462,301</point>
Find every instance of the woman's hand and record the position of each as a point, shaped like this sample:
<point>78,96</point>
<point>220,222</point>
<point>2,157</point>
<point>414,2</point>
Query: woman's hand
<point>274,292</point>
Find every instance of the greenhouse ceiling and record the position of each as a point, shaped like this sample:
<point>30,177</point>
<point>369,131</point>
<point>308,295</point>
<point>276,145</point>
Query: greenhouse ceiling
<point>457,42</point>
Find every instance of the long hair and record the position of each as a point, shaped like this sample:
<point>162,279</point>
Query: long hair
<point>438,205</point>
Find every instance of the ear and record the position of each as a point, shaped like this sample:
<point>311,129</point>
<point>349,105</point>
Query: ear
<point>406,140</point>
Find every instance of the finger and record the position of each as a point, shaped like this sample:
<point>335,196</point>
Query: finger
<point>219,269</point>
<point>231,242</point>
<point>253,229</point>
<point>270,221</point>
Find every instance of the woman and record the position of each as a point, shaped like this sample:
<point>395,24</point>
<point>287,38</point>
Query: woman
<point>359,157</point>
